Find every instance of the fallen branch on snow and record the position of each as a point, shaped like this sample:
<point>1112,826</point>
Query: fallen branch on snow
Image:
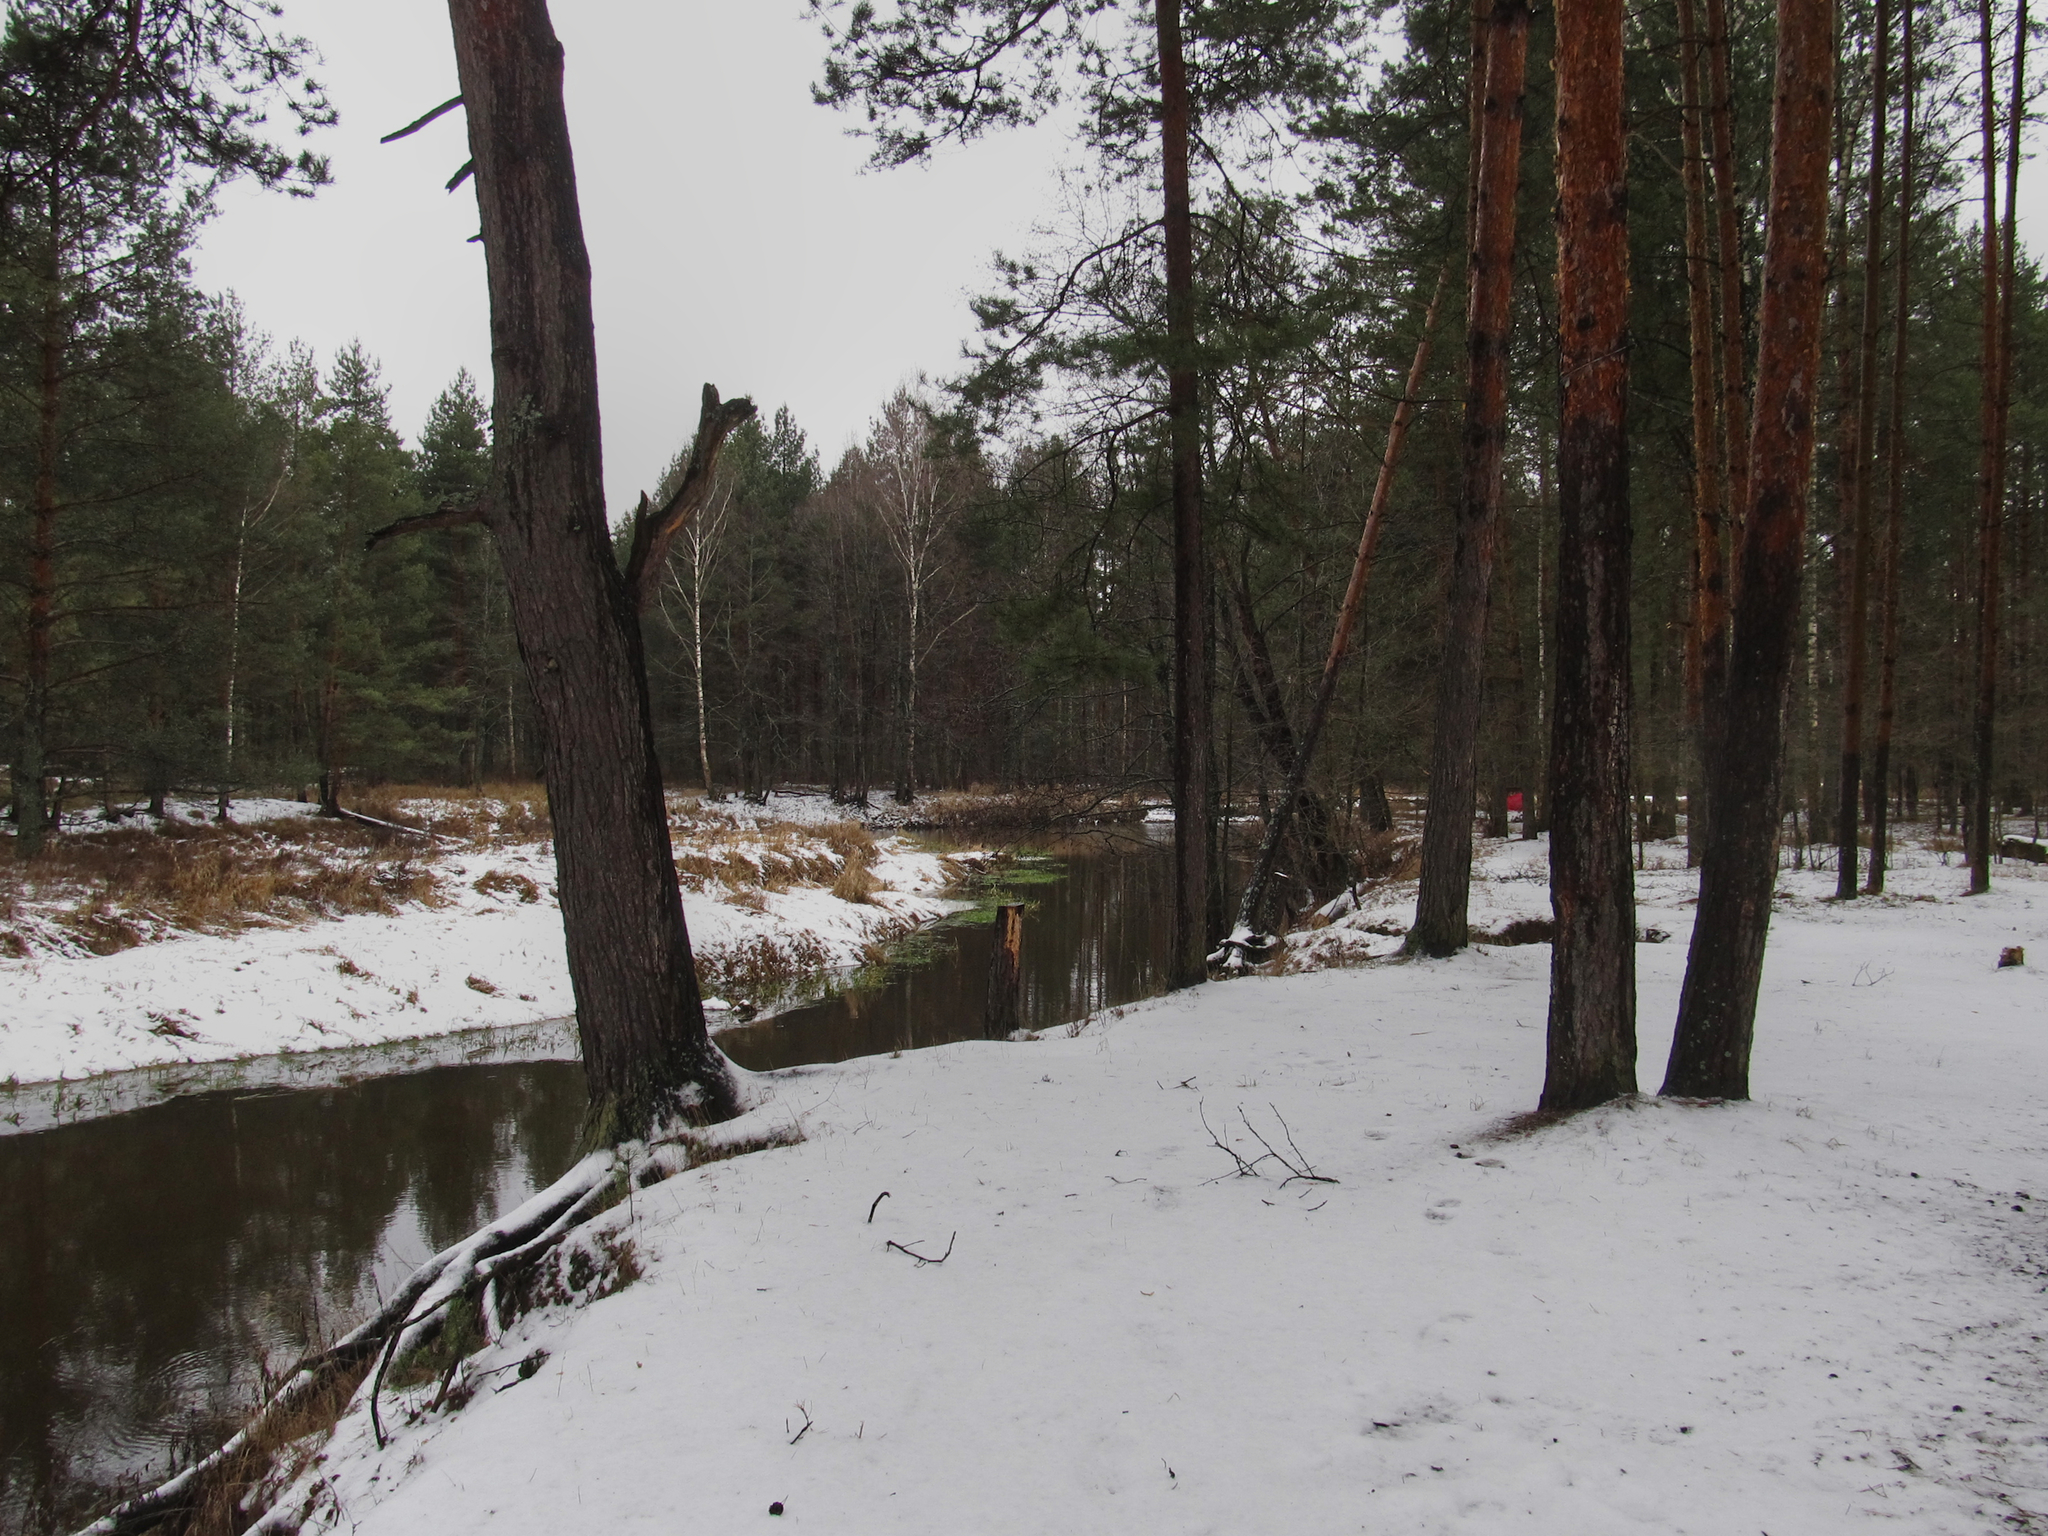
<point>923,1258</point>
<point>1299,1168</point>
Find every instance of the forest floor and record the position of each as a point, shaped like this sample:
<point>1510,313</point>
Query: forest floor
<point>1817,1311</point>
<point>144,945</point>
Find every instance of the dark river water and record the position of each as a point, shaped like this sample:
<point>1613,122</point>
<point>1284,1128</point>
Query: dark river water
<point>152,1264</point>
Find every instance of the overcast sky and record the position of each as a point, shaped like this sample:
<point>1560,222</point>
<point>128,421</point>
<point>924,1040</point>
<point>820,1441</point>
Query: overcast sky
<point>734,234</point>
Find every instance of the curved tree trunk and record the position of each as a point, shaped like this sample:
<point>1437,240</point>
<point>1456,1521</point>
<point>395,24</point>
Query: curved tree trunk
<point>1441,902</point>
<point>1592,1027</point>
<point>638,1011</point>
<point>1717,1005</point>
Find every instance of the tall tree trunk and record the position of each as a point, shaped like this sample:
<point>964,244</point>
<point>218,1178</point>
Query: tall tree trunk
<point>1854,474</point>
<point>1895,475</point>
<point>1997,364</point>
<point>31,751</point>
<point>1717,1004</point>
<point>1735,433</point>
<point>697,560</point>
<point>638,1011</point>
<point>1188,960</point>
<point>1592,1028</point>
<point>1441,903</point>
<point>1706,641</point>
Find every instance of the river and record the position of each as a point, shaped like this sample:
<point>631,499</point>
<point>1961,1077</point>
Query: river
<point>153,1264</point>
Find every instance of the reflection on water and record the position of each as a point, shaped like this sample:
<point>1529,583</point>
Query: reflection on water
<point>1092,939</point>
<point>150,1262</point>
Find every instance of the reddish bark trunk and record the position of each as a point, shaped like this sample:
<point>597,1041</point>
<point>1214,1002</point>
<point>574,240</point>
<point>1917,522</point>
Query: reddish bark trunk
<point>1440,906</point>
<point>1592,1035</point>
<point>1717,1004</point>
<point>1735,436</point>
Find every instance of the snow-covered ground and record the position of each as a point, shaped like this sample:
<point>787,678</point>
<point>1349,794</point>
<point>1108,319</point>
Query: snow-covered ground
<point>487,951</point>
<point>1820,1311</point>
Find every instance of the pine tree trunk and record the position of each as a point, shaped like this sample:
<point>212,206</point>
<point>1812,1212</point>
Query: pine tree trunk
<point>31,751</point>
<point>1706,655</point>
<point>639,1014</point>
<point>1717,1004</point>
<point>1188,959</point>
<point>1735,434</point>
<point>1854,474</point>
<point>1998,296</point>
<point>1441,903</point>
<point>1895,478</point>
<point>1592,1034</point>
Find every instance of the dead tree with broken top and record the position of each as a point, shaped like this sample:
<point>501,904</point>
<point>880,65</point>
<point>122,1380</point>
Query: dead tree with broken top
<point>639,1015</point>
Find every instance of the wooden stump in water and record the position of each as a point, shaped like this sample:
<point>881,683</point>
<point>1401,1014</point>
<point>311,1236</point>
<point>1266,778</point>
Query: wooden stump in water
<point>1005,1013</point>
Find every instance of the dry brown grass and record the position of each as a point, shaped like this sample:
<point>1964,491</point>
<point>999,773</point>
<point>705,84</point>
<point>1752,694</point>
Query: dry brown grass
<point>493,815</point>
<point>743,861</point>
<point>856,880</point>
<point>1387,855</point>
<point>762,969</point>
<point>115,889</point>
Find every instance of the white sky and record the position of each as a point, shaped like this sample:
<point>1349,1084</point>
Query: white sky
<point>734,234</point>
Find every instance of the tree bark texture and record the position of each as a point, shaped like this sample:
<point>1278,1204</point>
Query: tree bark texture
<point>1855,476</point>
<point>1592,1034</point>
<point>1188,960</point>
<point>1441,902</point>
<point>639,1015</point>
<point>1717,1004</point>
<point>1895,473</point>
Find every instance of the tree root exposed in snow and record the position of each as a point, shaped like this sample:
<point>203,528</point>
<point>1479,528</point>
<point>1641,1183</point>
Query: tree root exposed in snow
<point>470,1269</point>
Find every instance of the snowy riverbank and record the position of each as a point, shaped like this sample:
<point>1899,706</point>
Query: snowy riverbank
<point>1796,1314</point>
<point>481,948</point>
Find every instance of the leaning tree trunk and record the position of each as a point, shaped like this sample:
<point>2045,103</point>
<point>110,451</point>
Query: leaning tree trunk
<point>639,1015</point>
<point>1855,474</point>
<point>1442,900</point>
<point>1592,1030</point>
<point>1245,934</point>
<point>1717,1004</point>
<point>1187,961</point>
<point>1895,479</point>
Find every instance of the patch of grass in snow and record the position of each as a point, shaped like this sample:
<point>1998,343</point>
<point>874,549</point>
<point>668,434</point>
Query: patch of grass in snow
<point>764,968</point>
